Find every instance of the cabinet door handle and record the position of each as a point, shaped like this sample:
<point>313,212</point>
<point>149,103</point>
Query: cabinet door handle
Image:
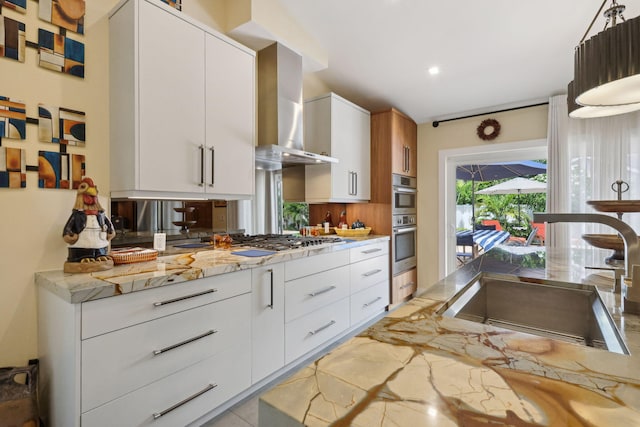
<point>213,166</point>
<point>371,302</point>
<point>371,273</point>
<point>322,291</point>
<point>371,251</point>
<point>180,344</point>
<point>171,301</point>
<point>157,415</point>
<point>407,285</point>
<point>355,185</point>
<point>201,166</point>
<point>322,328</point>
<point>271,285</point>
<point>408,159</point>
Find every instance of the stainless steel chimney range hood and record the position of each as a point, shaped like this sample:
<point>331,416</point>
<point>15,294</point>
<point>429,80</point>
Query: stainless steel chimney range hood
<point>280,121</point>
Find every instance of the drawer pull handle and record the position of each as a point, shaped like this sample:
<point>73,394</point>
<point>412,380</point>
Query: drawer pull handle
<point>180,344</point>
<point>371,302</point>
<point>370,251</point>
<point>187,400</point>
<point>407,285</point>
<point>170,301</point>
<point>322,328</point>
<point>322,291</point>
<point>371,273</point>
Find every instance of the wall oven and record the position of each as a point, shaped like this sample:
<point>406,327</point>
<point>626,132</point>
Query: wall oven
<point>405,197</point>
<point>404,241</point>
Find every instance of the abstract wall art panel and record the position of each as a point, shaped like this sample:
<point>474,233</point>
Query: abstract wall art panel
<point>13,119</point>
<point>12,39</point>
<point>53,170</point>
<point>67,14</point>
<point>18,5</point>
<point>174,3</point>
<point>13,168</point>
<point>59,53</point>
<point>61,125</point>
<point>78,170</point>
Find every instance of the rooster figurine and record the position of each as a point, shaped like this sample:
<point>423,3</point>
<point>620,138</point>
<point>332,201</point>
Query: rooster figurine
<point>88,232</point>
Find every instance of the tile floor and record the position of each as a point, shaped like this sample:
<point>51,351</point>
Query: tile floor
<point>245,414</point>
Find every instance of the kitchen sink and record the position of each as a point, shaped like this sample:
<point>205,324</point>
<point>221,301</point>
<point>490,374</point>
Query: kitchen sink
<point>559,310</point>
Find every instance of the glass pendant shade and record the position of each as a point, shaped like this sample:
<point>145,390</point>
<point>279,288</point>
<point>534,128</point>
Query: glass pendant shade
<point>607,66</point>
<point>577,111</point>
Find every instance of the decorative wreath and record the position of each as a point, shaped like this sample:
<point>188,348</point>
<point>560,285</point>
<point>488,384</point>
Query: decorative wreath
<point>489,129</point>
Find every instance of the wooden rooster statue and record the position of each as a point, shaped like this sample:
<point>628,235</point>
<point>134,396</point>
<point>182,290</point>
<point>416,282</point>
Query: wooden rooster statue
<point>88,232</point>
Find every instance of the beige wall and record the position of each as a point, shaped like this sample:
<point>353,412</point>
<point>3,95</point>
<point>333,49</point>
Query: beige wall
<point>519,125</point>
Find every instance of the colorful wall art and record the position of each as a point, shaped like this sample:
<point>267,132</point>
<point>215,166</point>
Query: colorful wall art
<point>60,170</point>
<point>12,39</point>
<point>174,3</point>
<point>67,14</point>
<point>13,119</point>
<point>59,53</point>
<point>13,168</point>
<point>19,5</point>
<point>61,125</point>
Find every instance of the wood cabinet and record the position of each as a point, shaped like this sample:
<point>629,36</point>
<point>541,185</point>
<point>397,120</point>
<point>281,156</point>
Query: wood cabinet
<point>341,129</point>
<point>404,285</point>
<point>394,145</point>
<point>181,107</point>
<point>169,343</point>
<point>267,318</point>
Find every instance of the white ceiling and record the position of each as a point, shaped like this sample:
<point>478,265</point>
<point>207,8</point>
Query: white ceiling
<point>492,54</point>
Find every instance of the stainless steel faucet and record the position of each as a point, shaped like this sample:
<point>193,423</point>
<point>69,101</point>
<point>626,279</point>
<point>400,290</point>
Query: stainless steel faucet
<point>631,248</point>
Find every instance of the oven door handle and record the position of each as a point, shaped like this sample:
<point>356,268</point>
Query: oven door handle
<point>405,190</point>
<point>402,230</point>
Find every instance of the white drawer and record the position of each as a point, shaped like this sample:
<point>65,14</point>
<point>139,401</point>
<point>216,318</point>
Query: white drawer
<point>229,372</point>
<point>369,302</point>
<point>302,296</point>
<point>315,264</point>
<point>369,251</point>
<point>119,362</point>
<point>308,332</point>
<point>369,272</point>
<point>110,314</point>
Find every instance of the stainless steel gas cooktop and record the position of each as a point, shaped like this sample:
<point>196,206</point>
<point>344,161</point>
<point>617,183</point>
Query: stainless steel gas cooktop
<point>278,242</point>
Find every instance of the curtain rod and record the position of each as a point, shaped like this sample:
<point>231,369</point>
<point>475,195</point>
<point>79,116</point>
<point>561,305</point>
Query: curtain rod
<point>436,123</point>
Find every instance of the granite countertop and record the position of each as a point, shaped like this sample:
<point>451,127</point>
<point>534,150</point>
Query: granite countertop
<point>416,368</point>
<point>188,265</point>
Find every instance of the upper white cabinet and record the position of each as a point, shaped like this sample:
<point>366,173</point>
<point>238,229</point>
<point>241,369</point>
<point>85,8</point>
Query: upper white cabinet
<point>341,129</point>
<point>181,106</point>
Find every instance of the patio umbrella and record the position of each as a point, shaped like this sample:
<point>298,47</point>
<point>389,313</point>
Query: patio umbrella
<point>493,171</point>
<point>517,186</point>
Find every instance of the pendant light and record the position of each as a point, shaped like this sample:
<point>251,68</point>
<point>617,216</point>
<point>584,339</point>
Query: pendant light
<point>577,111</point>
<point>607,66</point>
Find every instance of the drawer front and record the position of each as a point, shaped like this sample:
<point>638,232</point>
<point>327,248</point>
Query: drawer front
<point>404,285</point>
<point>369,272</point>
<point>309,293</point>
<point>369,302</point>
<point>315,264</point>
<point>314,329</point>
<point>229,373</point>
<point>110,314</point>
<point>361,253</point>
<point>119,362</point>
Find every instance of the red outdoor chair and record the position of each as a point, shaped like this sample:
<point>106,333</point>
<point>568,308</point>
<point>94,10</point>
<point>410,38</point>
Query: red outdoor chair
<point>541,234</point>
<point>492,222</point>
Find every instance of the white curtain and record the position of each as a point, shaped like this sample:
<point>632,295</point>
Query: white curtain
<point>595,154</point>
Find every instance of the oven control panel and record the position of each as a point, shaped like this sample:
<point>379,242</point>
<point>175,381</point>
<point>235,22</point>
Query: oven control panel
<point>403,220</point>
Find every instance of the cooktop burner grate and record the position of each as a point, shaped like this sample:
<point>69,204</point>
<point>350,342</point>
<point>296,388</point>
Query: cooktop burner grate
<point>278,242</point>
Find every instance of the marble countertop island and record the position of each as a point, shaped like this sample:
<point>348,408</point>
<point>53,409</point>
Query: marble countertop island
<point>417,368</point>
<point>182,267</point>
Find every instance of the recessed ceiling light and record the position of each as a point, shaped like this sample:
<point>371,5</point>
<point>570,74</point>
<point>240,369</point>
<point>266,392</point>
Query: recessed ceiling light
<point>434,70</point>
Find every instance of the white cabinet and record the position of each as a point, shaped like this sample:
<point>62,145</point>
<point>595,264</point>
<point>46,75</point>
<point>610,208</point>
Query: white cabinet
<point>181,106</point>
<point>369,281</point>
<point>267,318</point>
<point>162,347</point>
<point>341,129</point>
